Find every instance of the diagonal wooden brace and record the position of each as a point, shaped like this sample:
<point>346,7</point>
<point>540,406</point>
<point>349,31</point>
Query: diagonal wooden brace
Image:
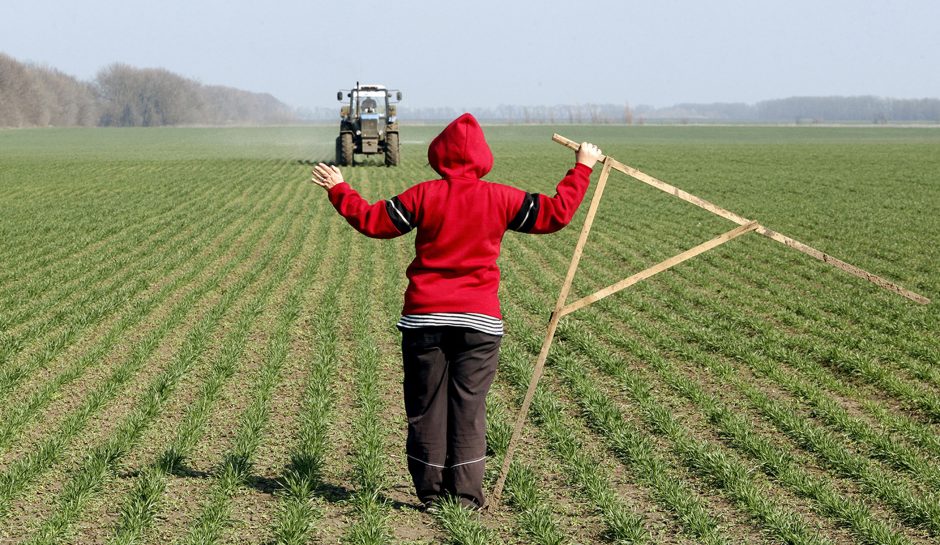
<point>659,267</point>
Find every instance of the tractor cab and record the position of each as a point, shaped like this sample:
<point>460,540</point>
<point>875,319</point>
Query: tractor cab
<point>373,117</point>
<point>368,124</point>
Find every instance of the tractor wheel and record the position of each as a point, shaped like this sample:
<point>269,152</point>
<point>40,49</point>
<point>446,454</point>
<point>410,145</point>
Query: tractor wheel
<point>339,151</point>
<point>391,149</point>
<point>346,149</point>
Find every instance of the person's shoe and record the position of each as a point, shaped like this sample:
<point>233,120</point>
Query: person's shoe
<point>432,507</point>
<point>469,504</point>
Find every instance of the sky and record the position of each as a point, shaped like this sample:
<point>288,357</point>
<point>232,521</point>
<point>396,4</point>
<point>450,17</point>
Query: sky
<point>490,52</point>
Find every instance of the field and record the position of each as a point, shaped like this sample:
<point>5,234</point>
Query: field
<point>194,348</point>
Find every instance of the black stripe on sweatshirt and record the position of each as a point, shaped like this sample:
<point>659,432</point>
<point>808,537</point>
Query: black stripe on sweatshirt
<point>528,212</point>
<point>403,219</point>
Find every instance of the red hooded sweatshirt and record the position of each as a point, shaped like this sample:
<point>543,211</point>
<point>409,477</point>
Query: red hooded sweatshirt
<point>461,220</point>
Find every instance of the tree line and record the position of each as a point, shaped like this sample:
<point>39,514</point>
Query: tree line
<point>125,96</point>
<point>799,110</point>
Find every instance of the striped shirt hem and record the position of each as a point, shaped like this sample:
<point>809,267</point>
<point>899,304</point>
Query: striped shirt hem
<point>471,320</point>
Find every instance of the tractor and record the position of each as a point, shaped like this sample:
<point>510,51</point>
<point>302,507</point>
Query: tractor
<point>368,124</point>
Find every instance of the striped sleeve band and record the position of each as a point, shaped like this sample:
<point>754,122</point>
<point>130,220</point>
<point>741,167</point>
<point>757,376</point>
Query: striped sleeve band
<point>524,220</point>
<point>403,219</point>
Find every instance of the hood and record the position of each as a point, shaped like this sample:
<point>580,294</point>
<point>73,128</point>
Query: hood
<point>460,151</point>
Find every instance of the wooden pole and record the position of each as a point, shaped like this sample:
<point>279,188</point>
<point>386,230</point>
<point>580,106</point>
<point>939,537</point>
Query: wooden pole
<point>549,336</point>
<point>740,220</point>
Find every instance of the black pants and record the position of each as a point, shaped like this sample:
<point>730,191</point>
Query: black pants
<point>448,372</point>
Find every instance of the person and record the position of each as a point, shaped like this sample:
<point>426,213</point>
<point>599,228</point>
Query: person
<point>451,324</point>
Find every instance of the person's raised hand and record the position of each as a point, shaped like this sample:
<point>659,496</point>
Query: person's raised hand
<point>326,176</point>
<point>588,154</point>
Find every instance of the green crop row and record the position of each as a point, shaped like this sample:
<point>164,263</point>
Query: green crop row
<point>20,473</point>
<point>68,274</point>
<point>93,306</point>
<point>19,415</point>
<point>369,457</point>
<point>47,250</point>
<point>523,489</point>
<point>237,464</point>
<point>140,507</point>
<point>90,476</point>
<point>32,299</point>
<point>300,481</point>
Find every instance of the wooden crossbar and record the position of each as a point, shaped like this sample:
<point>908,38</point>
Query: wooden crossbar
<point>658,268</point>
<point>561,309</point>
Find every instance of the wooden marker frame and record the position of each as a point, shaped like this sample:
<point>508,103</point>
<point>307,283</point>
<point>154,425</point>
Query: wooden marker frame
<point>561,309</point>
